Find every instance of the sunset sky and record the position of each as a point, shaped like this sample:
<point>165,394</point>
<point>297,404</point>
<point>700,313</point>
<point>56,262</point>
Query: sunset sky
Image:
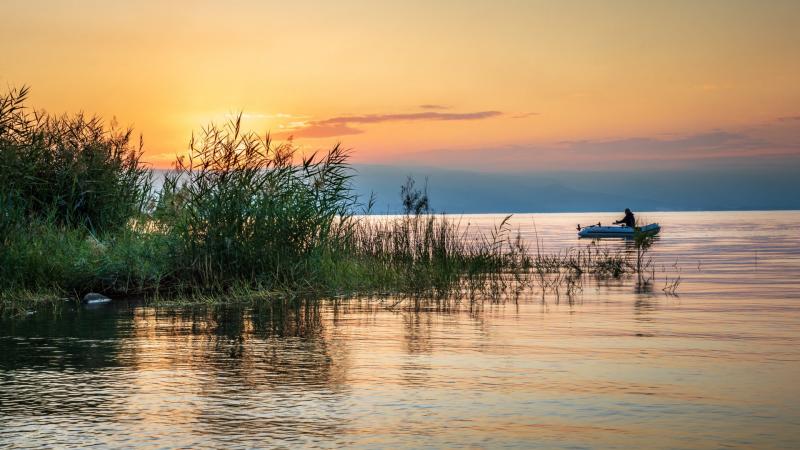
<point>493,86</point>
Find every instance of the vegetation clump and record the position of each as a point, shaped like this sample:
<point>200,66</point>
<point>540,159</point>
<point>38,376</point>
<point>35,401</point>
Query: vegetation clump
<point>71,189</point>
<point>72,170</point>
<point>238,214</point>
<point>242,210</point>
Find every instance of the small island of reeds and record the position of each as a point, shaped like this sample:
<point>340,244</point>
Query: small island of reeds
<point>238,217</point>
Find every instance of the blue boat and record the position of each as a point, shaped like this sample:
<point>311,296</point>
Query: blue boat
<point>622,231</point>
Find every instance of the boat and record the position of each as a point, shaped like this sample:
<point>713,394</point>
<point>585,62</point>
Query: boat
<point>621,231</point>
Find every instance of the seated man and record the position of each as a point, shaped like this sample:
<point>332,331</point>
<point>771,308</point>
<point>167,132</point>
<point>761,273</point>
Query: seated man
<point>628,220</point>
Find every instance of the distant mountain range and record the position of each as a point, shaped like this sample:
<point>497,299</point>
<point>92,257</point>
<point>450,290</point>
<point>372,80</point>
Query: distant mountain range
<point>458,191</point>
<point>455,191</point>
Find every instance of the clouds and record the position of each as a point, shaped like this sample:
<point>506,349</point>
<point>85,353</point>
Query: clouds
<point>378,118</point>
<point>344,125</point>
<point>775,142</point>
<point>314,130</point>
<point>432,106</point>
<point>694,146</point>
<point>711,149</point>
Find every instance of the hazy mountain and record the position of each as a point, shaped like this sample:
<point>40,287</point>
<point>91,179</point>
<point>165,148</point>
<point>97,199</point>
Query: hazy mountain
<point>456,191</point>
<point>475,192</point>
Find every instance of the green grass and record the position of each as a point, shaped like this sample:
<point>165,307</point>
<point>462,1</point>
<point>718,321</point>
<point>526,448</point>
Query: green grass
<point>72,170</point>
<point>239,217</point>
<point>242,210</point>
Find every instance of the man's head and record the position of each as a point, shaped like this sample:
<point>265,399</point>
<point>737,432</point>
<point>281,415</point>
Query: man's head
<point>627,211</point>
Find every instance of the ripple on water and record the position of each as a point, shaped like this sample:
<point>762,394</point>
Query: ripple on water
<point>714,367</point>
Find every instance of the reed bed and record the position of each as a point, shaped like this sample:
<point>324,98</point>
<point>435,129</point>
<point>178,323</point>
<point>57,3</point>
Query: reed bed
<point>239,217</point>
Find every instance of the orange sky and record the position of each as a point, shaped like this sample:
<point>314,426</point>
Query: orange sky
<point>425,82</point>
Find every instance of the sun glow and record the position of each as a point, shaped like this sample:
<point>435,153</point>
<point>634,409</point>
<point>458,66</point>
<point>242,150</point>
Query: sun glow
<point>399,82</point>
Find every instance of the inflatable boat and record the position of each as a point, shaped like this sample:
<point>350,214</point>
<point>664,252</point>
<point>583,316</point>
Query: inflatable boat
<point>599,231</point>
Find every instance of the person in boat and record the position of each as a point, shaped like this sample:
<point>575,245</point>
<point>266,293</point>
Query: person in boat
<point>628,220</point>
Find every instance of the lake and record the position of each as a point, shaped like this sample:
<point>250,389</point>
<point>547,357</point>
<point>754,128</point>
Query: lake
<point>613,366</point>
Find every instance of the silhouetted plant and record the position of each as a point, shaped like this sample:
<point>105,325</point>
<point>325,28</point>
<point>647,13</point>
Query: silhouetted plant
<point>73,170</point>
<point>642,241</point>
<point>414,200</point>
<point>243,209</point>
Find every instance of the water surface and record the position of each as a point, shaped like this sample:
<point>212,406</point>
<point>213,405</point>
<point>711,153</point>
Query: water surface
<point>613,367</point>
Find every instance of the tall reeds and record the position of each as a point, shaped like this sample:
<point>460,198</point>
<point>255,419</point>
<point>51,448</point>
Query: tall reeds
<point>67,184</point>
<point>73,170</point>
<point>244,210</point>
<point>239,213</point>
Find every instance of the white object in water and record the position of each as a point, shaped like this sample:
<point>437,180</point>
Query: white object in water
<point>93,298</point>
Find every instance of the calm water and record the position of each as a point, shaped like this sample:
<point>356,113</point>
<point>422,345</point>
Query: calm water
<point>717,366</point>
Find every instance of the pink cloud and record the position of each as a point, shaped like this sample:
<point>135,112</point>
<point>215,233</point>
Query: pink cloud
<point>714,148</point>
<point>433,106</point>
<point>378,118</point>
<point>341,125</point>
<point>316,130</point>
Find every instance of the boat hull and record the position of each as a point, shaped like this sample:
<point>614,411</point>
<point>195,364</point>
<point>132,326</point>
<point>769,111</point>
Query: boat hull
<point>595,231</point>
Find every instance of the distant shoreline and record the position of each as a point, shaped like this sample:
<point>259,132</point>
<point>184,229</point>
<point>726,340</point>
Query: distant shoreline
<point>491,213</point>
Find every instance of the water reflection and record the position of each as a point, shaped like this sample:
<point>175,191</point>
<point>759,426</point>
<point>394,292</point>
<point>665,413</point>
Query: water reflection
<point>212,372</point>
<point>610,366</point>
